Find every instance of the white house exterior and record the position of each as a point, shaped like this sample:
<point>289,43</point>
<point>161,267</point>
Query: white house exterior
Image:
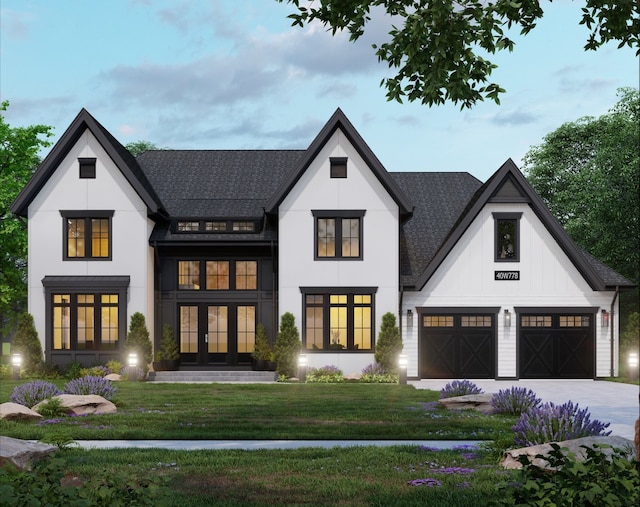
<point>483,281</point>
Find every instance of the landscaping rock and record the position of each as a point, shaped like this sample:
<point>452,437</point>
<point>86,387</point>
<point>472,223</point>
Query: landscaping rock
<point>22,453</point>
<point>16,412</point>
<point>114,377</point>
<point>85,404</point>
<point>480,402</point>
<point>510,458</point>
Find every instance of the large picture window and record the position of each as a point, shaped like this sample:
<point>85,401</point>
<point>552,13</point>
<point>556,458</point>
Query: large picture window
<point>87,235</point>
<point>338,234</point>
<point>507,237</point>
<point>337,320</point>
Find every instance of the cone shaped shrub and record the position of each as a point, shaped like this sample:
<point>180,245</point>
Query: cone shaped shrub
<point>28,344</point>
<point>389,344</point>
<point>138,341</point>
<point>288,346</point>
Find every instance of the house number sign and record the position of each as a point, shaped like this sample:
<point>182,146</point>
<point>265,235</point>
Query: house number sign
<point>507,275</point>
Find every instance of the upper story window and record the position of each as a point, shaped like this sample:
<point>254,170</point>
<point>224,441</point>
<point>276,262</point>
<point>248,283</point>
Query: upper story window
<point>215,226</point>
<point>338,234</point>
<point>187,226</point>
<point>507,237</point>
<point>243,226</point>
<point>218,275</point>
<point>87,167</point>
<point>338,167</point>
<point>87,234</point>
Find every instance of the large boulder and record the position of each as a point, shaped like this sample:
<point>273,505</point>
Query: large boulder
<point>114,377</point>
<point>23,453</point>
<point>510,458</point>
<point>84,404</point>
<point>16,412</point>
<point>480,402</point>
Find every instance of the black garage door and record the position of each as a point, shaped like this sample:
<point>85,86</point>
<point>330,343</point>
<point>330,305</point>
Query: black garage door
<point>457,346</point>
<point>556,345</point>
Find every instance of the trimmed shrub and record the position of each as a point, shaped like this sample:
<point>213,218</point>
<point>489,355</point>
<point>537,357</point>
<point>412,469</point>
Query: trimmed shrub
<point>389,344</point>
<point>262,350</point>
<point>95,371</point>
<point>375,374</point>
<point>288,346</point>
<point>325,375</point>
<point>459,388</point>
<point>28,344</point>
<point>91,385</point>
<point>138,341</point>
<point>114,366</point>
<point>514,401</point>
<point>556,423</point>
<point>32,393</point>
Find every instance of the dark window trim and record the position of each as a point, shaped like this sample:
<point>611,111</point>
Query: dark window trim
<point>87,167</point>
<point>326,305</point>
<point>338,214</point>
<point>203,275</point>
<point>497,216</point>
<point>87,215</point>
<point>255,222</point>
<point>85,285</point>
<point>338,167</point>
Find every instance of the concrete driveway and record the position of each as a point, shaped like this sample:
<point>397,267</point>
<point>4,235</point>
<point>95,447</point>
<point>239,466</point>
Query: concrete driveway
<point>612,402</point>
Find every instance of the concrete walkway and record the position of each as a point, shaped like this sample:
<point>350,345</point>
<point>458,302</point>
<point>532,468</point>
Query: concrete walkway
<point>612,402</point>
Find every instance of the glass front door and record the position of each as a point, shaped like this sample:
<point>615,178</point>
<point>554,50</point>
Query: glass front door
<point>217,334</point>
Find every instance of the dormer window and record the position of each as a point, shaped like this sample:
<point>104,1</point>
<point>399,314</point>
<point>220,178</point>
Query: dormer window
<point>216,226</point>
<point>188,226</point>
<point>87,168</point>
<point>243,227</point>
<point>338,167</point>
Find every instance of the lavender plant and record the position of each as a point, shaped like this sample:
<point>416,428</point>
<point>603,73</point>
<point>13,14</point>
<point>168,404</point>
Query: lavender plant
<point>325,375</point>
<point>376,374</point>
<point>556,423</point>
<point>459,388</point>
<point>32,393</point>
<point>91,385</point>
<point>514,401</point>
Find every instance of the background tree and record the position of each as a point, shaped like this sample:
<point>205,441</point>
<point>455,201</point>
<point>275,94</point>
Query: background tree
<point>389,344</point>
<point>287,346</point>
<point>18,160</point>
<point>138,147</point>
<point>28,344</point>
<point>588,173</point>
<point>438,48</point>
<point>138,341</point>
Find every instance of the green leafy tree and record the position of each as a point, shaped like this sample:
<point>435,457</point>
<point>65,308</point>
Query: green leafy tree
<point>27,343</point>
<point>138,341</point>
<point>138,147</point>
<point>389,343</point>
<point>439,48</point>
<point>18,159</point>
<point>588,173</point>
<point>287,346</point>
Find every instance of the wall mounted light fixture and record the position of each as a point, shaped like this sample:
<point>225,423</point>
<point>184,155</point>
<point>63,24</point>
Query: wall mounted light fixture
<point>409,319</point>
<point>507,318</point>
<point>604,321</point>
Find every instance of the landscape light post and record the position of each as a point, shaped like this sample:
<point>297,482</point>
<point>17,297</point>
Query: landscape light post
<point>16,362</point>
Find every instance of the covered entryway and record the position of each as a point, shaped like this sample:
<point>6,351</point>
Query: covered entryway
<point>556,344</point>
<point>457,343</point>
<point>213,334</point>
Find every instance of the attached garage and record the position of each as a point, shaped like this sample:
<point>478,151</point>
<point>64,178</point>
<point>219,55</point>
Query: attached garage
<point>556,343</point>
<point>457,343</point>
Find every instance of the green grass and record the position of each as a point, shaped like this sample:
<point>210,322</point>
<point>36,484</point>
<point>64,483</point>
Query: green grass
<point>269,411</point>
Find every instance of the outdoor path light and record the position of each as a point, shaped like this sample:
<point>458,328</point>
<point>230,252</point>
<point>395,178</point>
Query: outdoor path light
<point>632,362</point>
<point>16,361</point>
<point>402,368</point>
<point>302,367</point>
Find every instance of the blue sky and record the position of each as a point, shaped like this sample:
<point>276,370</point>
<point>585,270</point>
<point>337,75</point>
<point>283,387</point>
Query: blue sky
<point>234,74</point>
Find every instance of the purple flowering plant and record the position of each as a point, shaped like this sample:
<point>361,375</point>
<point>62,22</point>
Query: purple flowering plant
<point>375,373</point>
<point>556,423</point>
<point>514,401</point>
<point>427,481</point>
<point>459,388</point>
<point>91,385</point>
<point>32,393</point>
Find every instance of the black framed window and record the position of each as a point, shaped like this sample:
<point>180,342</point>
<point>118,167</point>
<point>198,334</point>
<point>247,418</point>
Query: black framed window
<point>87,234</point>
<point>87,168</point>
<point>338,167</point>
<point>339,319</point>
<point>507,237</point>
<point>217,275</point>
<point>338,234</point>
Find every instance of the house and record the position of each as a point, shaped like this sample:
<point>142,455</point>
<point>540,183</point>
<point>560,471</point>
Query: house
<point>483,280</point>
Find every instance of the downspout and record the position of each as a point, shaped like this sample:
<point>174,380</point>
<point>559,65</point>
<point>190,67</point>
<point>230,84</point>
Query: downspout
<point>611,324</point>
<point>400,314</point>
<point>274,302</point>
<point>157,291</point>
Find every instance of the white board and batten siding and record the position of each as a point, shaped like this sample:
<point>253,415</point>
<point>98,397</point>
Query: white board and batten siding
<point>65,190</point>
<point>548,278</point>
<point>316,190</point>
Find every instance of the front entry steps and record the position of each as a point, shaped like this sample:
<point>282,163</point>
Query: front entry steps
<point>240,376</point>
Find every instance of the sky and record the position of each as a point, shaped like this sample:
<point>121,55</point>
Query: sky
<point>234,74</point>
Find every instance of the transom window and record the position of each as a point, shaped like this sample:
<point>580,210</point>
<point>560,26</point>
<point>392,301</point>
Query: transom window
<point>507,236</point>
<point>476,320</point>
<point>188,226</point>
<point>437,321</point>
<point>217,275</point>
<point>243,226</point>
<point>338,321</point>
<point>574,321</point>
<point>536,321</point>
<point>87,235</point>
<point>223,226</point>
<point>85,321</point>
<point>215,226</point>
<point>338,234</point>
